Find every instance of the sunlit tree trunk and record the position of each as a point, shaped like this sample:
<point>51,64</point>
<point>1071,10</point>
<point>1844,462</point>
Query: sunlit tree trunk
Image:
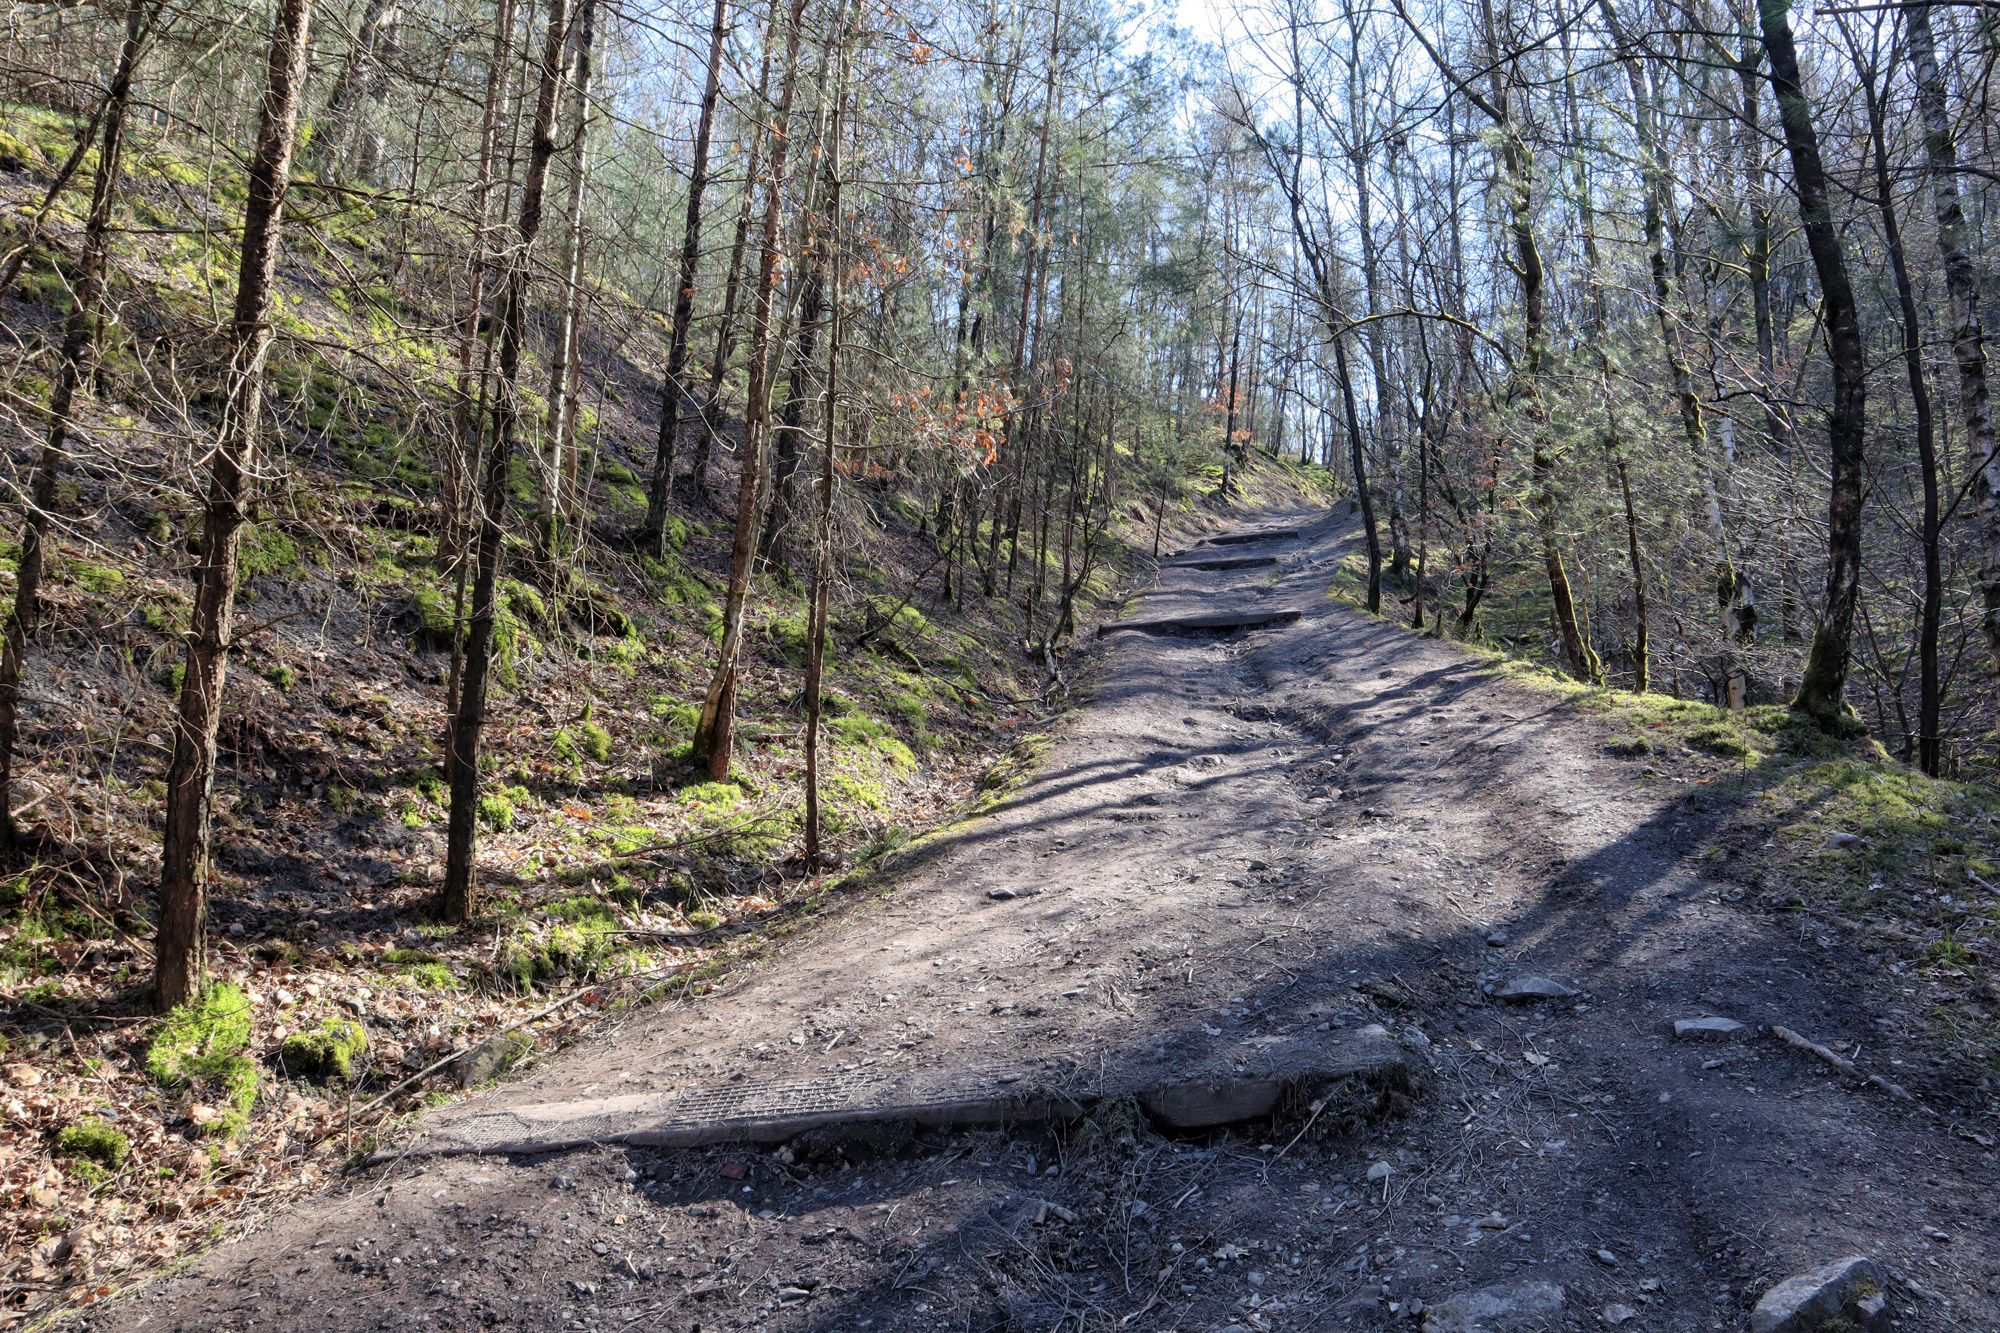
<point>560,425</point>
<point>178,953</point>
<point>1968,341</point>
<point>1825,680</point>
<point>74,366</point>
<point>713,732</point>
<point>469,719</point>
<point>673,392</point>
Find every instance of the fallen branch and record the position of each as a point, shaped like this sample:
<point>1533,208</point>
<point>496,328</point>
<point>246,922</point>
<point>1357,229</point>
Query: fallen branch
<point>1840,1062</point>
<point>427,1071</point>
<point>571,998</point>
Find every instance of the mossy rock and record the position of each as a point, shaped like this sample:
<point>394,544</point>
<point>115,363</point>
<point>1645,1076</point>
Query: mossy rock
<point>1721,738</point>
<point>492,1057</point>
<point>95,1143</point>
<point>202,1041</point>
<point>327,1052</point>
<point>196,1035</point>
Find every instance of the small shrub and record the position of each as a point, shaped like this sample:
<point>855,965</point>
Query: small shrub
<point>704,919</point>
<point>596,742</point>
<point>1951,952</point>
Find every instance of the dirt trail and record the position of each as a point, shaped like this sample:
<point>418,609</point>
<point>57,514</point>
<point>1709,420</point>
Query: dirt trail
<point>1174,902</point>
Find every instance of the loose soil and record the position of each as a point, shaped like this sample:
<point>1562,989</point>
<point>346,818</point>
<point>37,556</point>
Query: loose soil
<point>1179,897</point>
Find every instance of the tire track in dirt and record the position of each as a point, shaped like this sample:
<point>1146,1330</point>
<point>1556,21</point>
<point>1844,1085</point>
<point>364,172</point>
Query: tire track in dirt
<point>1186,899</point>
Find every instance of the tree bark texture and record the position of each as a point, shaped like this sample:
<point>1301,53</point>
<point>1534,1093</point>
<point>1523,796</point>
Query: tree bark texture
<point>178,945</point>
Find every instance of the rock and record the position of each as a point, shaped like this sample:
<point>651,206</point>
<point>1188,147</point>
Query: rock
<point>1380,1171</point>
<point>791,1295</point>
<point>1259,865</point>
<point>1847,1288</point>
<point>1492,1222</point>
<point>1615,1315</point>
<point>1607,1258</point>
<point>1520,990</point>
<point>1005,895</point>
<point>490,1057</point>
<point>236,928</point>
<point>1367,1298</point>
<point>1502,1308</point>
<point>1841,841</point>
<point>1497,938</point>
<point>326,1052</point>
<point>1700,1029</point>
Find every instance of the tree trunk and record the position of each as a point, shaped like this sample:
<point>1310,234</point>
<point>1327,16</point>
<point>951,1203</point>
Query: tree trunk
<point>468,720</point>
<point>1004,462</point>
<point>361,83</point>
<point>1731,586</point>
<point>673,393</point>
<point>787,451</point>
<point>725,335</point>
<point>560,499</point>
<point>1928,740</point>
<point>1825,679</point>
<point>1968,342</point>
<point>712,734</point>
<point>79,348</point>
<point>1356,457</point>
<point>178,946</point>
<point>822,580</point>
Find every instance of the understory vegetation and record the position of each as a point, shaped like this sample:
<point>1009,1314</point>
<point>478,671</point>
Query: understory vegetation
<point>517,509</point>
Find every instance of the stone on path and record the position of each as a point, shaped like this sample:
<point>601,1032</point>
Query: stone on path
<point>1502,1308</point>
<point>1849,1288</point>
<point>1701,1029</point>
<point>1520,990</point>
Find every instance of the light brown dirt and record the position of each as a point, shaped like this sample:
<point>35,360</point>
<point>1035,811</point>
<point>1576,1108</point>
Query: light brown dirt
<point>1191,902</point>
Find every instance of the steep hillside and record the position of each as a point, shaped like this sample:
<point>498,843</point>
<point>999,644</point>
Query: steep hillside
<point>610,873</point>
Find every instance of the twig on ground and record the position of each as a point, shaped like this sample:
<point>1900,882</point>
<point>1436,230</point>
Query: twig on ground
<point>1840,1062</point>
<point>427,1071</point>
<point>1318,1105</point>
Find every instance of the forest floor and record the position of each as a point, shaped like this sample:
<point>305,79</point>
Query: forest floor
<point>1249,845</point>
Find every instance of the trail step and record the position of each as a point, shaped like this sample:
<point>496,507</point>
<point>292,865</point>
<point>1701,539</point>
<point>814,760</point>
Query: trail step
<point>1213,622</point>
<point>1230,562</point>
<point>1244,538</point>
<point>942,1095</point>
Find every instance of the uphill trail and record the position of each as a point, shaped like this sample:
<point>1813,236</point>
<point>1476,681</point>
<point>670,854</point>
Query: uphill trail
<point>1319,977</point>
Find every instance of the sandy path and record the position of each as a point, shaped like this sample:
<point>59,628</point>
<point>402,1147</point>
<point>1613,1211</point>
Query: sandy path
<point>1189,908</point>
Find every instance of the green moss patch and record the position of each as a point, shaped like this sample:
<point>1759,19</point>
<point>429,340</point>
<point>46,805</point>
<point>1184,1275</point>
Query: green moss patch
<point>201,1043</point>
<point>328,1051</point>
<point>94,1148</point>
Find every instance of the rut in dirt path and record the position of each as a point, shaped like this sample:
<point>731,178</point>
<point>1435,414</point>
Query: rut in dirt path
<point>1257,858</point>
